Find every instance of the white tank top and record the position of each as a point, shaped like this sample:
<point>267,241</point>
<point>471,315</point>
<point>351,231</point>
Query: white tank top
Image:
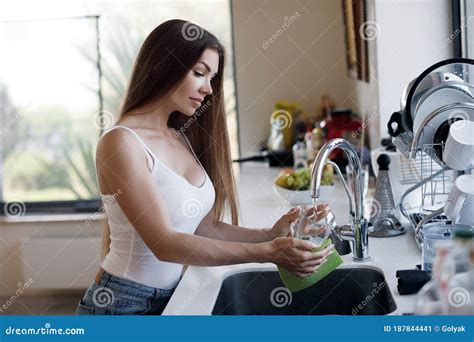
<point>186,204</point>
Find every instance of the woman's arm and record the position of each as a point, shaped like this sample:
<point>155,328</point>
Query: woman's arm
<point>212,228</point>
<point>121,160</point>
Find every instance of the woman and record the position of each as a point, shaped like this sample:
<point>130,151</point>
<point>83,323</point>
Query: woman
<point>165,174</point>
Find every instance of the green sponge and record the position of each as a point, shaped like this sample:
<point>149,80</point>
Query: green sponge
<point>295,283</point>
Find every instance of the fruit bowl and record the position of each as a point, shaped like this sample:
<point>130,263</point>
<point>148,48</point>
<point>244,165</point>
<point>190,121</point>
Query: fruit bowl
<point>297,197</point>
<point>288,182</point>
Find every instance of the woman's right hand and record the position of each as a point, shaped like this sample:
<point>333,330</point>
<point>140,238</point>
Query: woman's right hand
<point>296,256</point>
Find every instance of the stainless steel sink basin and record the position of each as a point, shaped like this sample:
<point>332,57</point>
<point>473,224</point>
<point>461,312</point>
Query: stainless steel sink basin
<point>346,291</point>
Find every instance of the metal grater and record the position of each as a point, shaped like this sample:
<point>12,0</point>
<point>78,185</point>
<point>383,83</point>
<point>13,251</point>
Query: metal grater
<point>384,218</point>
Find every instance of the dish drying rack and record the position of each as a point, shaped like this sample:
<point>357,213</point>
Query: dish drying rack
<point>431,181</point>
<point>440,95</point>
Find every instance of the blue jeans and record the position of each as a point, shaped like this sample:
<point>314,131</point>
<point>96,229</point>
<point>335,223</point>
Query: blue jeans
<point>117,296</point>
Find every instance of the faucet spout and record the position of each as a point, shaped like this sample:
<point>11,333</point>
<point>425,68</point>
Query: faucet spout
<point>359,225</point>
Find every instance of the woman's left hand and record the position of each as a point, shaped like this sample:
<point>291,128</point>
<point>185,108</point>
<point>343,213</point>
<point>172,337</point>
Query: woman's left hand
<point>282,227</point>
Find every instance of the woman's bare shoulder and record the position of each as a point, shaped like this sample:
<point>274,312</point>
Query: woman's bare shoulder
<point>118,148</point>
<point>116,141</point>
<point>119,158</point>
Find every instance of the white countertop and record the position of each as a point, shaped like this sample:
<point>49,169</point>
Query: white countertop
<point>260,207</point>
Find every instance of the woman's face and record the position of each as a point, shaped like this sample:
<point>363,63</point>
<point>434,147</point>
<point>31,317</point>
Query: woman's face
<point>190,94</point>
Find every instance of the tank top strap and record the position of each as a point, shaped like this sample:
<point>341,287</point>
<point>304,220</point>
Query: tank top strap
<point>145,147</point>
<point>192,150</point>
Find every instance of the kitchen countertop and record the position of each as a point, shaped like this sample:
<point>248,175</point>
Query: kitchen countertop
<point>261,207</point>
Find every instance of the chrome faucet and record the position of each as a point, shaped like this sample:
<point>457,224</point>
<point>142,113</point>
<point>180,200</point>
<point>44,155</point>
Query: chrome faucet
<point>357,231</point>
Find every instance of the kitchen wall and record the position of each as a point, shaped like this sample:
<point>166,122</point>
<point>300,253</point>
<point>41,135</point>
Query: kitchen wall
<point>412,35</point>
<point>308,58</point>
<point>55,251</point>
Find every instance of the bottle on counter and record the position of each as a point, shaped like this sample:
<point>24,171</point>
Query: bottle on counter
<point>310,150</point>
<point>299,153</point>
<point>450,293</point>
<point>464,250</point>
<point>318,138</point>
<point>433,296</point>
<point>461,287</point>
<point>313,140</point>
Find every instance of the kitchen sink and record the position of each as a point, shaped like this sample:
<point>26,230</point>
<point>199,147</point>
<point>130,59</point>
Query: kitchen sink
<point>345,291</point>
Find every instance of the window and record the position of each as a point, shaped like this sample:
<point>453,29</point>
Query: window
<point>53,109</point>
<point>49,93</point>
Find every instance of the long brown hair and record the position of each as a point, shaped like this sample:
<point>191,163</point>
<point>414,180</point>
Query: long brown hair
<point>166,56</point>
